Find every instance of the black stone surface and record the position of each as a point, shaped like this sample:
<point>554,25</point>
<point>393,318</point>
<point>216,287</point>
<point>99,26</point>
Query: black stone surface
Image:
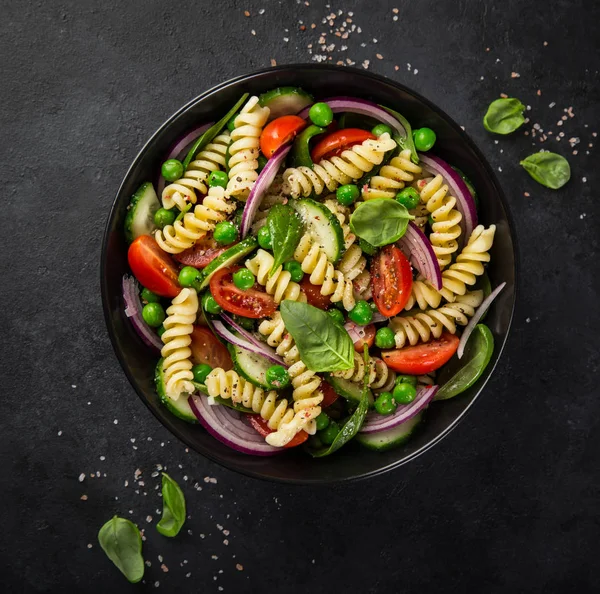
<point>508,503</point>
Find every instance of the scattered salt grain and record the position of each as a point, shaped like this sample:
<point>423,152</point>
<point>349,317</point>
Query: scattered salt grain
<point>116,421</point>
<point>515,75</point>
<point>148,519</point>
<point>84,498</point>
<point>164,568</point>
<point>81,477</point>
<point>379,56</point>
<point>89,546</point>
<point>239,567</point>
<point>584,179</point>
<point>528,320</point>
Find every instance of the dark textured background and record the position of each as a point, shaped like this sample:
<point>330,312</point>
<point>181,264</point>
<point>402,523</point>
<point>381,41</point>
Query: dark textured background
<point>509,502</point>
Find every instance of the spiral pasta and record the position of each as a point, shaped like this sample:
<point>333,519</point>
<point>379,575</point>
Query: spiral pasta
<point>194,181</point>
<point>379,373</point>
<point>274,196</point>
<point>421,215</point>
<point>176,352</point>
<point>183,234</point>
<point>245,148</point>
<point>445,228</point>
<point>329,173</point>
<point>432,322</point>
<point>279,284</point>
<point>392,177</point>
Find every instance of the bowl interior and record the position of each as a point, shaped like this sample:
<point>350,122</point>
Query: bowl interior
<point>452,145</point>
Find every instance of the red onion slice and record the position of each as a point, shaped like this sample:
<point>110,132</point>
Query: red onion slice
<point>133,310</point>
<point>418,249</point>
<point>356,332</point>
<point>485,304</point>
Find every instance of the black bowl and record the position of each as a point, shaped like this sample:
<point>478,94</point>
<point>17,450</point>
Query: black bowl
<point>452,144</point>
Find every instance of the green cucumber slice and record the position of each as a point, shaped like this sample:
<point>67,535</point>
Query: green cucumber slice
<point>285,101</point>
<point>299,155</point>
<point>391,438</point>
<point>250,366</point>
<point>351,391</point>
<point>323,226</point>
<point>140,215</point>
<point>180,407</point>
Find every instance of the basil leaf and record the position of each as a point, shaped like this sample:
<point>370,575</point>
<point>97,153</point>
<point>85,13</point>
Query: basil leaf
<point>549,169</point>
<point>121,541</point>
<point>405,142</point>
<point>380,221</point>
<point>286,229</point>
<point>504,116</point>
<point>212,132</point>
<point>323,344</point>
<point>173,515</point>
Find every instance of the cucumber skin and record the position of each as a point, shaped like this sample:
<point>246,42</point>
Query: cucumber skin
<point>369,440</point>
<point>271,99</point>
<point>166,401</point>
<point>227,258</point>
<point>137,196</point>
<point>232,351</point>
<point>338,385</point>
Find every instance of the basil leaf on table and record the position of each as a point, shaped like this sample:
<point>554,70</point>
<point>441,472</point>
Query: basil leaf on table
<point>323,344</point>
<point>404,142</point>
<point>380,221</point>
<point>121,541</point>
<point>504,116</point>
<point>549,169</point>
<point>173,515</point>
<point>286,229</point>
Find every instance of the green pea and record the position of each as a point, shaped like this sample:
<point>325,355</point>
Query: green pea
<point>210,305</point>
<point>322,421</point>
<point>245,323</point>
<point>385,404</point>
<point>161,330</point>
<point>404,393</point>
<point>201,372</point>
<point>424,139</point>
<point>225,232</point>
<point>361,313</point>
<point>337,315</point>
<point>164,217</point>
<point>149,296</point>
<point>217,179</point>
<point>381,129</point>
<point>172,170</point>
<point>385,338</point>
<point>264,238</point>
<point>262,161</point>
<point>153,314</point>
<point>243,279</point>
<point>320,114</point>
<point>277,377</point>
<point>188,276</point>
<point>347,194</point>
<point>408,197</point>
<point>366,247</point>
<point>295,270</point>
<point>406,379</point>
<point>330,432</point>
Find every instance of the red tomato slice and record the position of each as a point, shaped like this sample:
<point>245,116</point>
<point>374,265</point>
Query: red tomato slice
<point>261,426</point>
<point>250,303</point>
<point>367,336</point>
<point>153,267</point>
<point>422,358</point>
<point>313,294</point>
<point>392,280</point>
<point>207,348</point>
<point>279,132</point>
<point>329,395</point>
<point>333,144</point>
<point>202,253</point>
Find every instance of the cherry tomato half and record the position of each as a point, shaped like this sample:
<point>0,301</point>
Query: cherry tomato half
<point>366,336</point>
<point>392,280</point>
<point>422,358</point>
<point>202,253</point>
<point>313,294</point>
<point>261,426</point>
<point>329,394</point>
<point>279,132</point>
<point>207,348</point>
<point>333,144</point>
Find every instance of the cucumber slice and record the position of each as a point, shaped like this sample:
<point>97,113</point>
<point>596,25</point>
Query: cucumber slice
<point>227,258</point>
<point>385,440</point>
<point>285,101</point>
<point>180,407</point>
<point>250,366</point>
<point>323,225</point>
<point>140,216</point>
<point>349,390</point>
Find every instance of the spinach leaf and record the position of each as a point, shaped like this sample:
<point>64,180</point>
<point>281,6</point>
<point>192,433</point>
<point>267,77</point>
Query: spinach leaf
<point>380,221</point>
<point>405,142</point>
<point>323,344</point>
<point>286,229</point>
<point>212,132</point>
<point>173,515</point>
<point>549,169</point>
<point>504,116</point>
<point>121,541</point>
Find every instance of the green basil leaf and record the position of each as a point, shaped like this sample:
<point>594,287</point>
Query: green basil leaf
<point>323,344</point>
<point>286,229</point>
<point>504,116</point>
<point>380,221</point>
<point>405,142</point>
<point>549,169</point>
<point>173,515</point>
<point>212,132</point>
<point>121,541</point>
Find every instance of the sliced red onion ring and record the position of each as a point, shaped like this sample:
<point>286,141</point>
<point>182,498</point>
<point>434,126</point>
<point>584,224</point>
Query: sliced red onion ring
<point>375,422</point>
<point>261,185</point>
<point>230,427</point>
<point>355,331</point>
<point>179,148</point>
<point>464,200</point>
<point>246,340</point>
<point>418,249</point>
<point>133,310</point>
<point>379,317</point>
<point>485,304</point>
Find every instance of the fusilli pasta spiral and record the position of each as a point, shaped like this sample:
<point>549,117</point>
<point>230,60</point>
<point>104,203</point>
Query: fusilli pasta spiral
<point>183,234</point>
<point>279,284</point>
<point>379,373</point>
<point>329,173</point>
<point>245,148</point>
<point>177,367</point>
<point>274,196</point>
<point>392,177</point>
<point>194,181</point>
